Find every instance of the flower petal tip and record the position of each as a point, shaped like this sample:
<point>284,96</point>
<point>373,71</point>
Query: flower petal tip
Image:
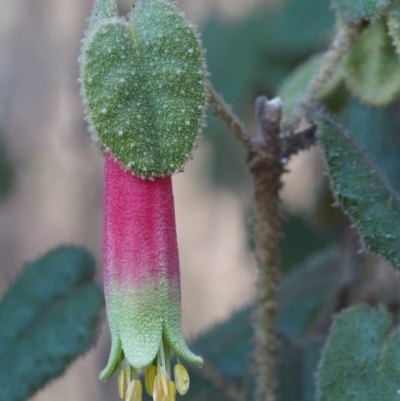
<point>199,362</point>
<point>114,360</point>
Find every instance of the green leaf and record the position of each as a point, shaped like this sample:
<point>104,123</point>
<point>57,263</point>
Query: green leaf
<point>143,83</point>
<point>377,131</point>
<point>358,10</point>
<point>48,317</point>
<point>102,10</point>
<point>361,360</point>
<point>393,19</point>
<point>294,86</point>
<point>361,191</point>
<point>372,68</point>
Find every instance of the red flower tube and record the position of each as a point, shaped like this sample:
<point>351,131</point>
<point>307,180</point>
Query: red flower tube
<point>141,276</point>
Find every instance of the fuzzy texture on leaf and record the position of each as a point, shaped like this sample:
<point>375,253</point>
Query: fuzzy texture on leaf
<point>143,85</point>
<point>48,317</point>
<point>393,20</point>
<point>361,359</point>
<point>358,10</point>
<point>372,68</point>
<point>141,269</point>
<point>377,131</point>
<point>361,190</point>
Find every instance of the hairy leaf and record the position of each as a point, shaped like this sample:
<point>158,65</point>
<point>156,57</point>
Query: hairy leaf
<point>393,19</point>
<point>373,68</point>
<point>358,10</point>
<point>48,317</point>
<point>361,191</point>
<point>361,360</point>
<point>143,84</point>
<point>377,130</point>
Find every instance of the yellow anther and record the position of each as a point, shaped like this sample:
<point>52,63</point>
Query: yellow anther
<point>182,379</point>
<point>138,391</point>
<point>150,375</point>
<point>171,392</point>
<point>122,383</point>
<point>158,392</point>
<point>164,379</point>
<point>130,392</point>
<point>134,392</point>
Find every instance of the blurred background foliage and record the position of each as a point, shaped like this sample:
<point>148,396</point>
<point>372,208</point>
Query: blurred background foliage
<point>51,185</point>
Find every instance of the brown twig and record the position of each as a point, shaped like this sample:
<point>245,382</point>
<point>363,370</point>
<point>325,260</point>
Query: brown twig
<point>266,167</point>
<point>224,112</point>
<point>303,140</point>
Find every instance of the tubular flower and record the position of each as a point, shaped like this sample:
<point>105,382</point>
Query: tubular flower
<point>142,284</point>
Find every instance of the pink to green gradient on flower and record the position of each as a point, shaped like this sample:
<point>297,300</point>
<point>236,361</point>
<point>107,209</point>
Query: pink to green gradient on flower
<point>142,284</point>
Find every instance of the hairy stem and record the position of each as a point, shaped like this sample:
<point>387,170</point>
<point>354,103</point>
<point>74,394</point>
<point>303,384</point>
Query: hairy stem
<point>340,45</point>
<point>302,140</point>
<point>267,169</point>
<point>224,112</point>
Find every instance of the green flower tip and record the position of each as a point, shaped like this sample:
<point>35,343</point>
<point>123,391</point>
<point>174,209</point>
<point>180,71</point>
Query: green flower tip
<point>161,381</point>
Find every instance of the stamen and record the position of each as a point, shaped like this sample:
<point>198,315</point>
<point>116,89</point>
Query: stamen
<point>164,380</point>
<point>158,392</point>
<point>134,392</point>
<point>182,379</point>
<point>130,392</point>
<point>162,354</point>
<point>138,390</point>
<point>162,373</point>
<point>122,383</point>
<point>171,392</point>
<point>150,375</point>
<point>167,352</point>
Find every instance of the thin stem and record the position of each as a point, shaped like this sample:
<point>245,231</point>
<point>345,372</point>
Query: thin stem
<point>224,112</point>
<point>340,45</point>
<point>267,169</point>
<point>302,140</point>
